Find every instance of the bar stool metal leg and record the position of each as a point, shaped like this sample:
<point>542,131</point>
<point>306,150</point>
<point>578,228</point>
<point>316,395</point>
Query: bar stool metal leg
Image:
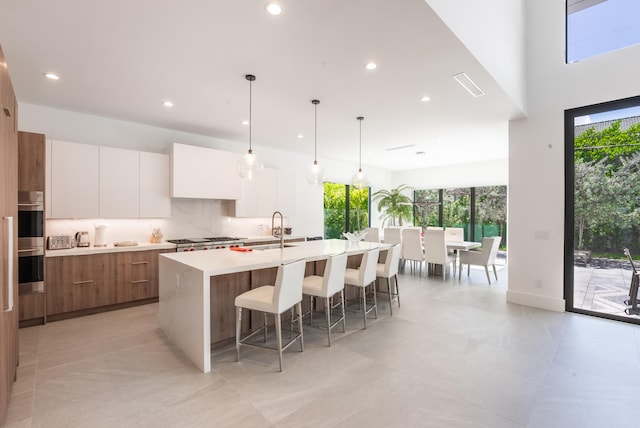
<point>238,324</point>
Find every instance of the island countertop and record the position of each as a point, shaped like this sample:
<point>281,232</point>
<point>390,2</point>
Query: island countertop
<point>186,281</point>
<point>225,261</point>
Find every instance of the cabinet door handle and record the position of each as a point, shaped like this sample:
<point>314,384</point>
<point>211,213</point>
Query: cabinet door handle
<point>89,281</point>
<point>140,281</point>
<point>21,204</point>
<point>9,306</point>
<point>139,263</point>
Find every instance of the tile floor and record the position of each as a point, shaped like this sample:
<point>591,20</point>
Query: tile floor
<point>454,355</point>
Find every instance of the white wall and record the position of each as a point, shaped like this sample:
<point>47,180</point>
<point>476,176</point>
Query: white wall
<point>494,32</point>
<point>190,218</point>
<point>536,153</point>
<point>487,173</point>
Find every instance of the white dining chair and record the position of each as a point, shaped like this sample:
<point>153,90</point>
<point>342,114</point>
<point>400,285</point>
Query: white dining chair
<point>325,287</point>
<point>412,249</point>
<point>274,299</point>
<point>435,251</point>
<point>372,234</point>
<point>485,257</point>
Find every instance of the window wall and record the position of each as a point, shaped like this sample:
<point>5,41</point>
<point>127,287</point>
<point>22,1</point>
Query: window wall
<point>480,211</point>
<point>346,209</point>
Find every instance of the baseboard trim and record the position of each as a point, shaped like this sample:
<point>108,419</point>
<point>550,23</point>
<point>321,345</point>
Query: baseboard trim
<point>536,301</point>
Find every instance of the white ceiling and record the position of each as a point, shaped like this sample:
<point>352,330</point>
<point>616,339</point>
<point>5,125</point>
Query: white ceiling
<point>122,58</point>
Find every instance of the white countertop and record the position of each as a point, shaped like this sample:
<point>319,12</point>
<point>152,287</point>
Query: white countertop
<point>81,251</point>
<point>224,261</point>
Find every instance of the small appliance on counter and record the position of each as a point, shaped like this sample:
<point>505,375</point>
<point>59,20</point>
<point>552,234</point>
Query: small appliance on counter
<point>60,242</point>
<point>82,239</point>
<point>100,235</point>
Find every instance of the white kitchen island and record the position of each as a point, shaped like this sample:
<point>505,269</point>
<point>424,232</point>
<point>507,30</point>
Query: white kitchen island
<point>186,280</point>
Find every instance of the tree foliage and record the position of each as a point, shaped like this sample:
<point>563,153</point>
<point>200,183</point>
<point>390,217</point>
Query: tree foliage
<point>607,188</point>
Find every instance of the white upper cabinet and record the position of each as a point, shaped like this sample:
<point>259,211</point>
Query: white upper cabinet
<point>119,183</point>
<point>47,180</point>
<point>74,180</point>
<point>286,193</point>
<point>273,190</point>
<point>86,181</point>
<point>199,172</point>
<point>154,185</point>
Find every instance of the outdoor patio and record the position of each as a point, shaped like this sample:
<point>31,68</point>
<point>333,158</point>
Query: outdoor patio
<point>603,286</point>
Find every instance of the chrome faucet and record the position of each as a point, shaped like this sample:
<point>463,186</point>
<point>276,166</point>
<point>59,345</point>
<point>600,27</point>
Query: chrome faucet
<point>273,217</point>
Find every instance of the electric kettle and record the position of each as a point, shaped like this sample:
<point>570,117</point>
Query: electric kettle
<point>82,239</point>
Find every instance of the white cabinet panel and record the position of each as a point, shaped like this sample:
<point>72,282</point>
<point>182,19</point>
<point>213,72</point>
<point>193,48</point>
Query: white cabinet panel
<point>266,195</point>
<point>119,183</point>
<point>154,185</point>
<point>74,180</point>
<point>199,172</point>
<point>47,179</point>
<point>273,190</point>
<point>286,193</point>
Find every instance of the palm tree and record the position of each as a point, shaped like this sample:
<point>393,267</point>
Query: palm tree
<point>393,204</point>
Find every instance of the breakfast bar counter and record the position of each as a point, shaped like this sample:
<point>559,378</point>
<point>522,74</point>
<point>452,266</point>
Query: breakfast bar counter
<point>186,281</point>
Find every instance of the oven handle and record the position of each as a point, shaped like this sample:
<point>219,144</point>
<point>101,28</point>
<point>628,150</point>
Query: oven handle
<point>9,307</point>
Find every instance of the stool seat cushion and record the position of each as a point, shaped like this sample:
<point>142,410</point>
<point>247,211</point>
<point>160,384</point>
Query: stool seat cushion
<point>258,299</point>
<point>352,277</point>
<point>312,286</point>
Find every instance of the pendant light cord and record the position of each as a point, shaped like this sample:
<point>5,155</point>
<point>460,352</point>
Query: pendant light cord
<point>360,119</point>
<point>250,78</point>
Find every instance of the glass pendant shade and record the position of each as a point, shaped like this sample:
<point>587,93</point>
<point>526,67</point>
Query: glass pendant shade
<point>249,166</point>
<point>315,173</point>
<point>359,180</point>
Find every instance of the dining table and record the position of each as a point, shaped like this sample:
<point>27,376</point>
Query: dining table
<point>462,245</point>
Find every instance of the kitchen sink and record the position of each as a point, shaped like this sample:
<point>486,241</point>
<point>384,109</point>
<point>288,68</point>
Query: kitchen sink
<point>270,247</point>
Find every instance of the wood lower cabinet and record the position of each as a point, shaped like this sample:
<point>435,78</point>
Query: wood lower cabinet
<point>75,283</point>
<point>99,281</point>
<point>137,275</point>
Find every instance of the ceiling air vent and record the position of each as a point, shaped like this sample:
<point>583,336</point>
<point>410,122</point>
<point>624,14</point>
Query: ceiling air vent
<point>468,84</point>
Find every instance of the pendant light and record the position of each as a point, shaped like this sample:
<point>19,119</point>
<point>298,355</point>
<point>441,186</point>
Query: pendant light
<point>250,165</point>
<point>315,173</point>
<point>359,179</point>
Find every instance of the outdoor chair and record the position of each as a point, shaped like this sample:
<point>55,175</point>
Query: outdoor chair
<point>633,288</point>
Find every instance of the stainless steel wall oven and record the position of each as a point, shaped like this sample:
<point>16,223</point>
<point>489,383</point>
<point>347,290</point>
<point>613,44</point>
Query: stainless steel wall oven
<point>31,242</point>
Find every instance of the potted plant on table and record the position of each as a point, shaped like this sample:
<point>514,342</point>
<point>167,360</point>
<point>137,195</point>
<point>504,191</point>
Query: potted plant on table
<point>393,204</point>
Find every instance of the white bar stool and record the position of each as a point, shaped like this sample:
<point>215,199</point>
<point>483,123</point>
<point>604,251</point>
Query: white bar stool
<point>326,286</point>
<point>388,270</point>
<point>364,277</point>
<point>274,299</point>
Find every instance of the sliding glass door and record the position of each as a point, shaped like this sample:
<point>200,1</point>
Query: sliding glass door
<point>602,208</point>
<point>346,209</point>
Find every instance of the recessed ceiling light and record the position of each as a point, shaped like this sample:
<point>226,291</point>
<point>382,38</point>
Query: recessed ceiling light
<point>300,136</point>
<point>167,103</point>
<point>425,99</point>
<point>245,122</point>
<point>371,66</point>
<point>273,8</point>
<point>52,76</point>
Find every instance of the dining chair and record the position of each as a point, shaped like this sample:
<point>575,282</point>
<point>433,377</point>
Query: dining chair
<point>389,270</point>
<point>435,251</point>
<point>274,299</point>
<point>412,250</point>
<point>372,234</point>
<point>485,257</point>
<point>393,235</point>
<point>325,287</point>
<point>364,277</point>
<point>454,234</point>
